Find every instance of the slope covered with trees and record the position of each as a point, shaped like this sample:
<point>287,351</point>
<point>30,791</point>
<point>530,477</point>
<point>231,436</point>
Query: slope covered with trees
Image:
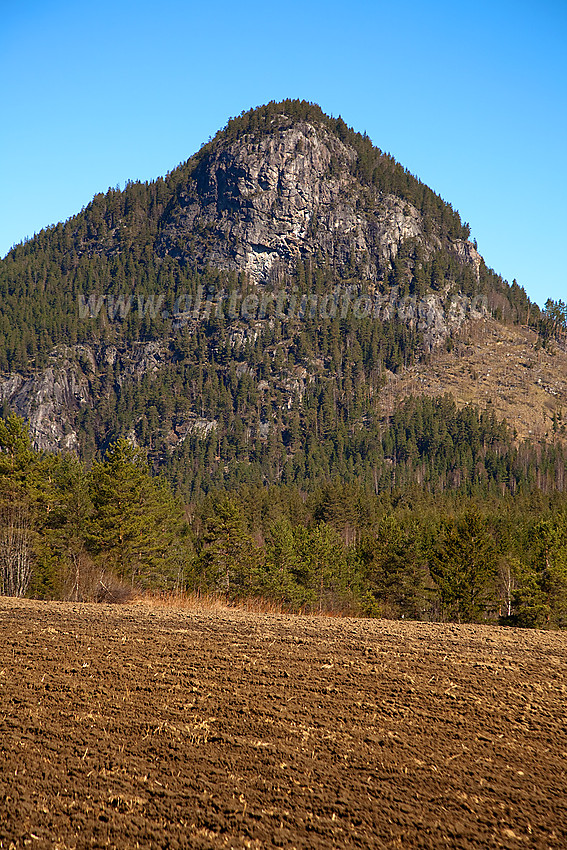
<point>114,529</point>
<point>230,424</point>
<point>111,249</point>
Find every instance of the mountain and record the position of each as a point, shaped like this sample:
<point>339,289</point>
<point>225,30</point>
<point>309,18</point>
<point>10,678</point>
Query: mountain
<point>260,313</point>
<point>275,189</point>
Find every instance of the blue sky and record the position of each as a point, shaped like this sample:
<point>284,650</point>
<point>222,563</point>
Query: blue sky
<point>471,97</point>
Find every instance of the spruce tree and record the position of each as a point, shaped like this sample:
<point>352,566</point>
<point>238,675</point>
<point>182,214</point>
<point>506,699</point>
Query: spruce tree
<point>137,521</point>
<point>463,566</point>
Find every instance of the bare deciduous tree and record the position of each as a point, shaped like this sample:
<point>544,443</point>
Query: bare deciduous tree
<point>15,547</point>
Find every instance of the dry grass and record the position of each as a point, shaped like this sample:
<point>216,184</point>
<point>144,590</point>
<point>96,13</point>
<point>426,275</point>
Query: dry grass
<point>195,601</point>
<point>495,367</point>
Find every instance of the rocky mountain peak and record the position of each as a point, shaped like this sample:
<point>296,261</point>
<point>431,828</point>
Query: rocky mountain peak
<point>263,201</point>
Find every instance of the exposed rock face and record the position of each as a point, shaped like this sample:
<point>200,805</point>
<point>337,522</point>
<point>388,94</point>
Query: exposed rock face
<point>431,315</point>
<point>260,207</point>
<point>48,400</point>
<point>467,253</point>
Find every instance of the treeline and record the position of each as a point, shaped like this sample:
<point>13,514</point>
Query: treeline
<point>113,529</point>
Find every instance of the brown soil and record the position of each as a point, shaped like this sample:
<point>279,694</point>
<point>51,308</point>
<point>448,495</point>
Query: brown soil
<point>138,727</point>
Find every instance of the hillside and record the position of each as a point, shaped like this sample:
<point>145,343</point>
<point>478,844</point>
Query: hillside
<point>257,314</point>
<point>497,367</point>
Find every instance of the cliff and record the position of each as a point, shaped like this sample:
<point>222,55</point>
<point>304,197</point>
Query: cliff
<point>261,203</point>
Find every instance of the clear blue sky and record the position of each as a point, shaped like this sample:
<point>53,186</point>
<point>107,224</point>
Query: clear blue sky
<point>471,97</point>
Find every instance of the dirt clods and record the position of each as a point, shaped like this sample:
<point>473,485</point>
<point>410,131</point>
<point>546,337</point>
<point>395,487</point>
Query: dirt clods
<point>123,726</point>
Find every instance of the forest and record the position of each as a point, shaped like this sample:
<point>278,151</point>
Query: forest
<point>115,530</point>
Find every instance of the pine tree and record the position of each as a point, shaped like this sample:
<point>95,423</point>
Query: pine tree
<point>137,521</point>
<point>230,561</point>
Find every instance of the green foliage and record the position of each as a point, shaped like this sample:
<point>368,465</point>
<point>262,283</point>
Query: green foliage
<point>136,519</point>
<point>286,578</point>
<point>312,569</point>
<point>62,528</point>
<point>541,598</point>
<point>230,562</point>
<point>395,567</point>
<point>331,570</point>
<point>16,455</point>
<point>343,548</point>
<point>66,565</point>
<point>463,566</point>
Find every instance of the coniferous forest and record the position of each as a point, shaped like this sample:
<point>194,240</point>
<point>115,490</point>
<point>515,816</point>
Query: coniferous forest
<point>254,456</point>
<point>471,553</point>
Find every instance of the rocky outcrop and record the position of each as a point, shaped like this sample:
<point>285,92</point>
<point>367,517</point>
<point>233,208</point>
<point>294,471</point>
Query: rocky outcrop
<point>467,253</point>
<point>435,316</point>
<point>133,362</point>
<point>49,399</point>
<point>260,207</point>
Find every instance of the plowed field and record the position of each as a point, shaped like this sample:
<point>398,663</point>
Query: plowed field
<point>137,727</point>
